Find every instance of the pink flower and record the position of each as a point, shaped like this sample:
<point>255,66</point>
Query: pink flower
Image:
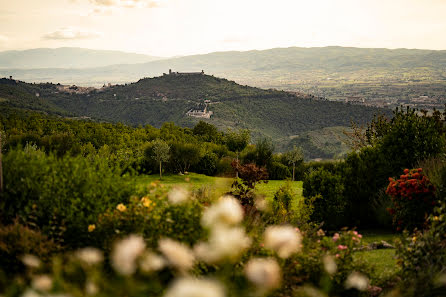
<point>342,247</point>
<point>337,255</point>
<point>359,235</point>
<point>335,236</point>
<point>355,232</point>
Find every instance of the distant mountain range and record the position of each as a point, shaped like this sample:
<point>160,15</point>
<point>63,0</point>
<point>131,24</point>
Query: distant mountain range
<point>336,73</point>
<point>287,118</point>
<point>68,57</point>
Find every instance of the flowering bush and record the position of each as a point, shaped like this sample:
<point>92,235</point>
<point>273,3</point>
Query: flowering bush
<point>413,199</point>
<point>160,213</point>
<point>422,258</point>
<point>277,261</point>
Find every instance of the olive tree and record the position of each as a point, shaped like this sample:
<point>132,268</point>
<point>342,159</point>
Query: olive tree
<point>160,152</point>
<point>237,141</point>
<point>294,156</point>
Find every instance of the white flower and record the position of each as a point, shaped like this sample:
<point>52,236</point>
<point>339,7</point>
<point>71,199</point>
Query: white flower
<point>91,288</point>
<point>90,255</point>
<point>329,264</point>
<point>31,261</point>
<point>125,254</point>
<point>264,273</point>
<point>227,211</point>
<point>177,195</point>
<point>152,262</point>
<point>191,287</point>
<point>42,283</point>
<point>285,240</point>
<point>177,253</point>
<point>225,243</point>
<point>358,281</point>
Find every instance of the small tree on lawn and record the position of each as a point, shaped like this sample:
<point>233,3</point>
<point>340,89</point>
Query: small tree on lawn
<point>294,156</point>
<point>237,141</point>
<point>250,176</point>
<point>161,152</point>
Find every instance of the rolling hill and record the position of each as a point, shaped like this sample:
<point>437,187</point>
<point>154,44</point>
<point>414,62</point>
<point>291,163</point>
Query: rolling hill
<point>382,75</point>
<point>279,115</point>
<point>68,57</point>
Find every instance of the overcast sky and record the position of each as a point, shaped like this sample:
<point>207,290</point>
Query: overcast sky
<point>183,27</point>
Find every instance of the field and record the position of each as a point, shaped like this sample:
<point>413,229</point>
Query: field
<point>217,185</point>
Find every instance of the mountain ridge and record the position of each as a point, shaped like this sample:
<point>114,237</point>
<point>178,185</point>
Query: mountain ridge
<point>68,57</point>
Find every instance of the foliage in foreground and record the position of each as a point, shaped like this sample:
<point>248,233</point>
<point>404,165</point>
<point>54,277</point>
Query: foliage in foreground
<point>358,182</point>
<point>279,260</point>
<point>66,194</point>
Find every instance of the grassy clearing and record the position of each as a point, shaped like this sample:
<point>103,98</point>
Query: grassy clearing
<point>383,260</point>
<point>217,185</point>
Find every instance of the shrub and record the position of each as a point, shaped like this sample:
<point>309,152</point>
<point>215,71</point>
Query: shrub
<point>152,216</point>
<point>413,199</point>
<point>422,258</point>
<point>224,167</point>
<point>72,190</point>
<point>278,171</point>
<point>325,262</point>
<point>16,241</point>
<point>249,176</point>
<point>207,164</point>
<point>329,203</point>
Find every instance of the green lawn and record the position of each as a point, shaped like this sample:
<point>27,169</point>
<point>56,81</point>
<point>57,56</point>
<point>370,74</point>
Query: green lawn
<point>218,185</point>
<point>383,260</point>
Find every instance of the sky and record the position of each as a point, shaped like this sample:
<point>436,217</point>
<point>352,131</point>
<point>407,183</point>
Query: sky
<point>184,27</point>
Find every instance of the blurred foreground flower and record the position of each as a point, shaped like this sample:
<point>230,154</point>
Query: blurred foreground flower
<point>177,253</point>
<point>42,283</point>
<point>284,240</point>
<point>91,227</point>
<point>90,255</point>
<point>152,262</point>
<point>225,243</point>
<point>126,252</point>
<point>357,281</point>
<point>178,195</point>
<point>226,211</point>
<point>31,261</point>
<point>264,273</point>
<point>329,264</point>
<point>191,287</point>
<point>121,207</point>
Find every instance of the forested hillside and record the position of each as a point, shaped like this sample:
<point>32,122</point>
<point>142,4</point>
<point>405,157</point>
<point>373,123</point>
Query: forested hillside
<point>274,114</point>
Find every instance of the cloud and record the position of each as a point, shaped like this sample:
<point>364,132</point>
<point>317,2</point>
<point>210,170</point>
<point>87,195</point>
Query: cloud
<point>105,11</point>
<point>3,38</point>
<point>127,3</point>
<point>70,33</point>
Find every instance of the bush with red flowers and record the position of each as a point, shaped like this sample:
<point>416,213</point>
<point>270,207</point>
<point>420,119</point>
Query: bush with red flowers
<point>413,199</point>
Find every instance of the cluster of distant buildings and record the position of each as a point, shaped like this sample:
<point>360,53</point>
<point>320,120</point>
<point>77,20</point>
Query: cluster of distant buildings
<point>424,102</point>
<point>201,111</point>
<point>183,73</point>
